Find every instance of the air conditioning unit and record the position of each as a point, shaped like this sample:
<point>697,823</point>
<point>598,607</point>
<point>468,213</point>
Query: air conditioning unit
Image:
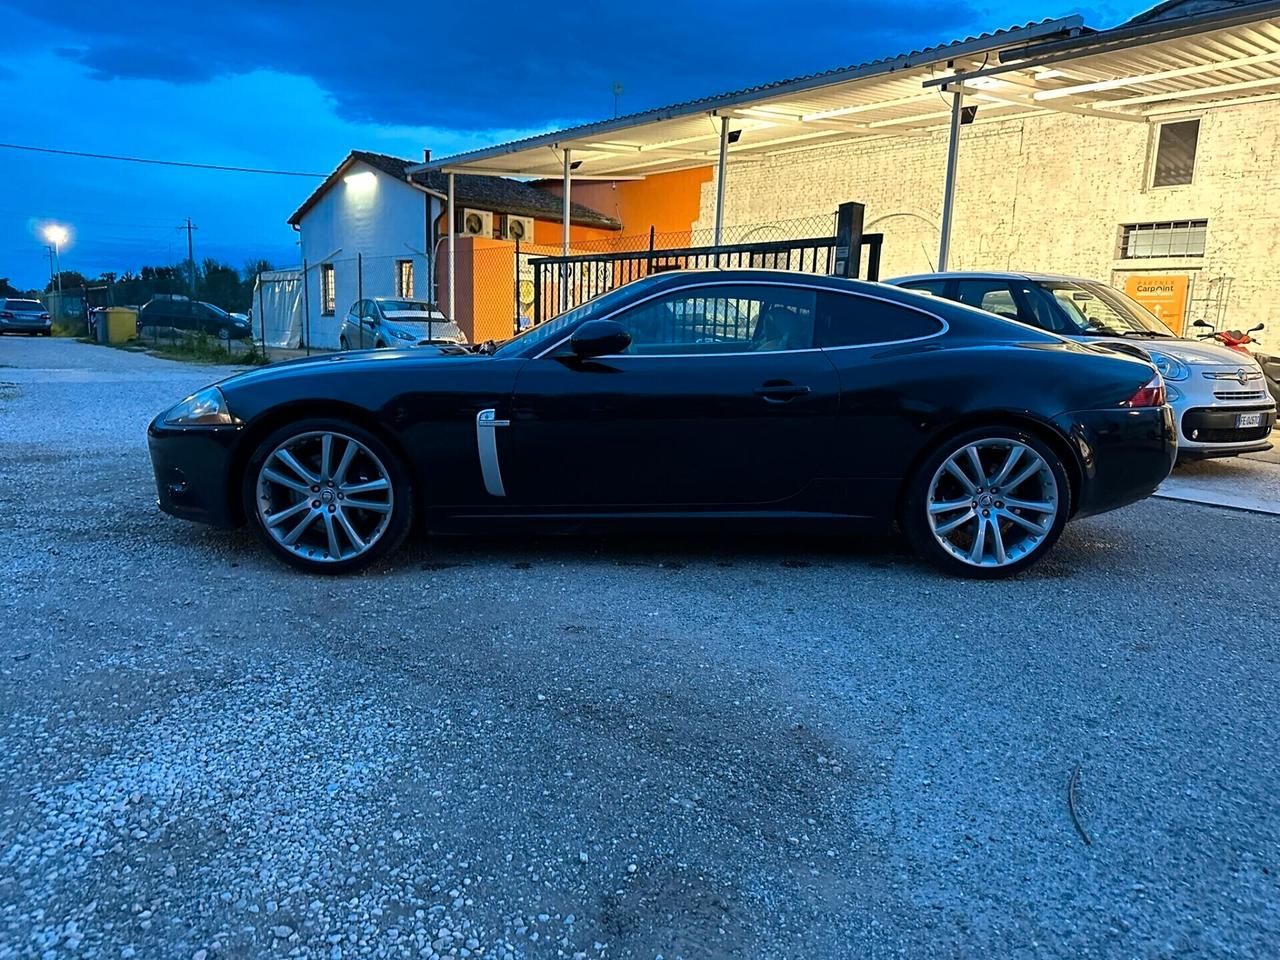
<point>477,223</point>
<point>519,228</point>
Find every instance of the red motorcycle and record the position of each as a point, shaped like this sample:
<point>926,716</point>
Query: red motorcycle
<point>1235,339</point>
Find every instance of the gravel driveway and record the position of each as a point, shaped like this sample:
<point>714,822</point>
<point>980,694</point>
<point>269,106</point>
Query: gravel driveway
<point>577,748</point>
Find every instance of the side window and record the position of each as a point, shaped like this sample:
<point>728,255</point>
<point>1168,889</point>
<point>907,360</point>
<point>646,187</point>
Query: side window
<point>850,320</point>
<point>934,288</point>
<point>722,319</point>
<point>1005,299</point>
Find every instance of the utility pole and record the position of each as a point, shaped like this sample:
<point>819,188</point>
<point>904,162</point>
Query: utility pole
<point>191,259</point>
<point>53,277</point>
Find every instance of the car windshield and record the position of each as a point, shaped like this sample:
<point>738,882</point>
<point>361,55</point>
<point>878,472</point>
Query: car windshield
<point>215,310</point>
<point>550,330</point>
<point>23,305</point>
<point>1098,308</point>
<point>407,306</point>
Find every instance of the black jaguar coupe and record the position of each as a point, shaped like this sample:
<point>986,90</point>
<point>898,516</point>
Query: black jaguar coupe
<point>800,402</point>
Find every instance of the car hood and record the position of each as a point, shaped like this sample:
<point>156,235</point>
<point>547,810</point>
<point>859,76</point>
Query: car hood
<point>427,355</point>
<point>1195,352</point>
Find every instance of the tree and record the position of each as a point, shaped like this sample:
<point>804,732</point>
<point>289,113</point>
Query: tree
<point>70,280</point>
<point>7,289</point>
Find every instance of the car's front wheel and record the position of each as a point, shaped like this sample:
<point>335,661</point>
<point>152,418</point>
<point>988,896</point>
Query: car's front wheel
<point>988,503</point>
<point>328,496</point>
<point>343,344</point>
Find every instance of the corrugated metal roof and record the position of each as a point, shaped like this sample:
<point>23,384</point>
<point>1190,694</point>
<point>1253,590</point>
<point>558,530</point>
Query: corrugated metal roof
<point>1036,30</point>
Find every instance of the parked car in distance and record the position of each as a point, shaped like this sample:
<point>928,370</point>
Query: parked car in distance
<point>379,322</point>
<point>195,316</point>
<point>24,316</point>
<point>748,397</point>
<point>1219,396</point>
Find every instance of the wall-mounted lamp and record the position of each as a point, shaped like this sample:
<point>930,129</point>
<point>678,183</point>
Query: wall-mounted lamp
<point>362,182</point>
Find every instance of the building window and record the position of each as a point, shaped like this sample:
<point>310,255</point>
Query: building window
<point>1175,160</point>
<point>404,278</point>
<point>328,295</point>
<point>1183,238</point>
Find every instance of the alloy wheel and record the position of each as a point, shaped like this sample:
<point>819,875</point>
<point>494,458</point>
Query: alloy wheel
<point>324,496</point>
<point>992,502</point>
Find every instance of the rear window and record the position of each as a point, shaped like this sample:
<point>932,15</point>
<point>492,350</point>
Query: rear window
<point>24,305</point>
<point>848,320</point>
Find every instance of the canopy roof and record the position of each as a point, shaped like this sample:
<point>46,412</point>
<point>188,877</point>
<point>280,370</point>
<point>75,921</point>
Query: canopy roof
<point>1181,55</point>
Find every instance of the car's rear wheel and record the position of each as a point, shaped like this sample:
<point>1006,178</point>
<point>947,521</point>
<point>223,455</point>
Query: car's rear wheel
<point>328,496</point>
<point>342,344</point>
<point>988,503</point>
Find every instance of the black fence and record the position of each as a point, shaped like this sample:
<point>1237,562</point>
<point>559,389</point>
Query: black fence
<point>563,282</point>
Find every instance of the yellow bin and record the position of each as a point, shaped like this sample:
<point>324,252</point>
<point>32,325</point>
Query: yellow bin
<point>122,324</point>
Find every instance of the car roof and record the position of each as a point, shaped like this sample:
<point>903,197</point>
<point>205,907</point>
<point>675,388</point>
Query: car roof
<point>676,278</point>
<point>991,275</point>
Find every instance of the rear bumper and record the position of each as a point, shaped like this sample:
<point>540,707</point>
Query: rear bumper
<point>1123,455</point>
<point>25,326</point>
<point>193,472</point>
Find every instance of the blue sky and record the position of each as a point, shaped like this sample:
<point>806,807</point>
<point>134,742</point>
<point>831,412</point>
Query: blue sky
<point>293,85</point>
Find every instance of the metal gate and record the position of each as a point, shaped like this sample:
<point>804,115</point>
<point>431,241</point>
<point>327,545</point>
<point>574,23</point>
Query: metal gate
<point>561,283</point>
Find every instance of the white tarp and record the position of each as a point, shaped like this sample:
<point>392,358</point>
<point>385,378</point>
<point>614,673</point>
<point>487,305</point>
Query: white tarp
<point>277,307</point>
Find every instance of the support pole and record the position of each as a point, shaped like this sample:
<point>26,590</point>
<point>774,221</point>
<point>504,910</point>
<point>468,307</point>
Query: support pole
<point>720,171</point>
<point>949,188</point>
<point>564,245</point>
<point>453,274</point>
<point>565,224</point>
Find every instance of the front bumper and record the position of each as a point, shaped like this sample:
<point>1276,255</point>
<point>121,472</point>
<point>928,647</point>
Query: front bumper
<point>1123,454</point>
<point>1213,431</point>
<point>192,468</point>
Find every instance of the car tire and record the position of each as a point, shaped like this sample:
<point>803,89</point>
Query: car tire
<point>380,532</point>
<point>965,526</point>
<point>223,334</point>
<point>379,345</point>
<point>342,344</point>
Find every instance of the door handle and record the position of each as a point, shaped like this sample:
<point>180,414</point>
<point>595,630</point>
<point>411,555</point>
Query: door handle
<point>780,391</point>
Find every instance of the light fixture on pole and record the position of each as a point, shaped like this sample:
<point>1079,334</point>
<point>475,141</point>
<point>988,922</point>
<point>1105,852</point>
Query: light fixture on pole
<point>57,235</point>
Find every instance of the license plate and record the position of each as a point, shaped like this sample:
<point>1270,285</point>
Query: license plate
<point>1248,419</point>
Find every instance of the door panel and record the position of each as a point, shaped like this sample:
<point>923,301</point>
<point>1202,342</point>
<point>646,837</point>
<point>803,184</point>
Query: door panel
<point>677,432</point>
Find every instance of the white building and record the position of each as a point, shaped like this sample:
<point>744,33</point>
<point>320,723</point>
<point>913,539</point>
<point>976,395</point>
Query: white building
<point>372,229</point>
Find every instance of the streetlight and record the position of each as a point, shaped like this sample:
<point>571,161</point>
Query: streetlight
<point>57,235</point>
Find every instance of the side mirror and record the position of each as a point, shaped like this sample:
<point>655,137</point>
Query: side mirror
<point>598,338</point>
<point>1261,326</point>
<point>1202,323</point>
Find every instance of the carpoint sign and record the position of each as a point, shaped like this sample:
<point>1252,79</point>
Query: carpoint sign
<point>1166,297</point>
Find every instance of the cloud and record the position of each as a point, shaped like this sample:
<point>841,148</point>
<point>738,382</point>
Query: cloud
<point>507,64</point>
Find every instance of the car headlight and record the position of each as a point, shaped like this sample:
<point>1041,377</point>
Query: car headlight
<point>204,409</point>
<point>1171,368</point>
<point>401,334</point>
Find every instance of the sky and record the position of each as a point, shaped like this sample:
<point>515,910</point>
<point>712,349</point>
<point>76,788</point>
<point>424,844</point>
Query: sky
<point>295,85</point>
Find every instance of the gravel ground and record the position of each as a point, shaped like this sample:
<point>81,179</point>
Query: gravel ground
<point>579,748</point>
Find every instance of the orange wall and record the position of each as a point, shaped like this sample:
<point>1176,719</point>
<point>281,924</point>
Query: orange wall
<point>668,202</point>
<point>485,272</point>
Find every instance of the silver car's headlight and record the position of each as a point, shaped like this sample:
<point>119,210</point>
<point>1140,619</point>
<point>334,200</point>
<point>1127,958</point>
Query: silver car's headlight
<point>401,334</point>
<point>207,408</point>
<point>1171,368</point>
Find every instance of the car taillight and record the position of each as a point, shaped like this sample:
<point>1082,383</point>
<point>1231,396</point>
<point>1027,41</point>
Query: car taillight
<point>44,316</point>
<point>1151,395</point>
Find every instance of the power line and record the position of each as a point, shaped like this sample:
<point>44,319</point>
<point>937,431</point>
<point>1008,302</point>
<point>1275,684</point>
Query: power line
<point>163,163</point>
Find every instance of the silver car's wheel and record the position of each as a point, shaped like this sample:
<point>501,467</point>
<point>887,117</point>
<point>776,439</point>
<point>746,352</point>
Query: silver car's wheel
<point>993,502</point>
<point>324,496</point>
